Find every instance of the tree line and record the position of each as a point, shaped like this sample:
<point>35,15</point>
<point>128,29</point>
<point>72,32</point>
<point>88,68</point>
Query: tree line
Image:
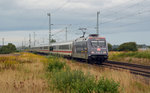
<point>128,46</point>
<point>6,49</point>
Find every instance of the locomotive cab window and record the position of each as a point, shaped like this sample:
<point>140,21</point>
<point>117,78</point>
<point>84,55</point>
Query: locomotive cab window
<point>100,43</point>
<point>94,43</point>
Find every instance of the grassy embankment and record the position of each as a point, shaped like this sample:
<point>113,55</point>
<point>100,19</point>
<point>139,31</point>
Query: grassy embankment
<point>22,73</point>
<point>29,73</point>
<point>139,57</point>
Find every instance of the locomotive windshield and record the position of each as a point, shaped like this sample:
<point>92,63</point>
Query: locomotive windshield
<point>100,43</point>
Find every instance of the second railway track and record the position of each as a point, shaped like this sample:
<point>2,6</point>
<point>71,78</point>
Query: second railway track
<point>133,68</point>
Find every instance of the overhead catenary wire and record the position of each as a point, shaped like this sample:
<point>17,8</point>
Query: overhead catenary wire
<point>59,8</point>
<point>119,18</point>
<point>133,23</point>
<point>105,22</point>
<point>125,8</point>
<point>123,17</point>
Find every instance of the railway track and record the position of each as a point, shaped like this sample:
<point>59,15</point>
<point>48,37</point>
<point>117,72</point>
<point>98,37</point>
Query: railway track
<point>133,68</point>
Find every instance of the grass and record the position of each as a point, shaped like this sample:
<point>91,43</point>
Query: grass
<point>73,81</point>
<point>29,74</point>
<point>26,74</point>
<point>66,80</point>
<point>8,63</point>
<point>106,85</point>
<point>138,54</point>
<point>55,64</point>
<point>138,57</point>
<point>126,80</point>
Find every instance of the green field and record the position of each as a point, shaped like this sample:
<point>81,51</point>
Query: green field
<point>138,57</point>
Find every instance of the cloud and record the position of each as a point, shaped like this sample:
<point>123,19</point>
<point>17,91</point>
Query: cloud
<point>31,15</point>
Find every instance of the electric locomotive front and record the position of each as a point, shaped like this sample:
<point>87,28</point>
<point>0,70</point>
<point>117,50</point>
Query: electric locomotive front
<point>97,48</point>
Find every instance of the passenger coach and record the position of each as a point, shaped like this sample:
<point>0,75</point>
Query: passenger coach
<point>91,48</point>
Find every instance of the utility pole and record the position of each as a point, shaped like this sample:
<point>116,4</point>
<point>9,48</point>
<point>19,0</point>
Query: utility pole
<point>43,40</point>
<point>66,33</point>
<point>29,40</point>
<point>98,22</point>
<point>22,44</point>
<point>3,41</point>
<point>34,38</point>
<point>49,15</point>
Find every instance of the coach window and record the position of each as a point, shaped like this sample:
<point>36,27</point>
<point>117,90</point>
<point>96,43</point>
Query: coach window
<point>64,47</point>
<point>46,47</point>
<point>51,48</point>
<point>54,47</point>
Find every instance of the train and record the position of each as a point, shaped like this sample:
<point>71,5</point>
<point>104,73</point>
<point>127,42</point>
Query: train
<point>91,48</point>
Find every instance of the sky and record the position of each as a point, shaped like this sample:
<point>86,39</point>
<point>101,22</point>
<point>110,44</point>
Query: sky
<point>119,20</point>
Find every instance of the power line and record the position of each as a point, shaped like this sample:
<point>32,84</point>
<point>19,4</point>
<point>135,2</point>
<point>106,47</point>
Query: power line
<point>134,23</point>
<point>98,22</point>
<point>29,40</point>
<point>49,16</point>
<point>3,41</point>
<point>126,8</point>
<point>34,37</point>
<point>59,8</point>
<point>62,30</point>
<point>120,18</point>
<point>66,33</point>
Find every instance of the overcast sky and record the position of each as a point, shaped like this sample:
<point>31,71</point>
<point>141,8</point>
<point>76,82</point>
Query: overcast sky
<point>120,20</point>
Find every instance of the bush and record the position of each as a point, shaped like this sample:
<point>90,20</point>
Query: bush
<point>143,54</point>
<point>8,49</point>
<point>55,65</point>
<point>129,46</point>
<point>109,47</point>
<point>76,81</point>
<point>115,49</point>
<point>107,86</point>
<point>73,82</point>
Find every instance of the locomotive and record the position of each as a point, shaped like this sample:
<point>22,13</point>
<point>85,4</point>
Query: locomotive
<point>92,48</point>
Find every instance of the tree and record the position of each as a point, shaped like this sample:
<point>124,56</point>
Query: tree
<point>109,47</point>
<point>11,47</point>
<point>53,41</point>
<point>129,46</point>
<point>115,49</point>
<point>7,49</point>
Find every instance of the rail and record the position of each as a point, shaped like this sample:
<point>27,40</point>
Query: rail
<point>133,68</point>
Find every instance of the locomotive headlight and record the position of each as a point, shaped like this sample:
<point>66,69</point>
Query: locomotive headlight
<point>92,52</point>
<point>104,52</point>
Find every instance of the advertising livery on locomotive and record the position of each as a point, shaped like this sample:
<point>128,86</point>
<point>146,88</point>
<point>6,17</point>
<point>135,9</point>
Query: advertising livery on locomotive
<point>91,48</point>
